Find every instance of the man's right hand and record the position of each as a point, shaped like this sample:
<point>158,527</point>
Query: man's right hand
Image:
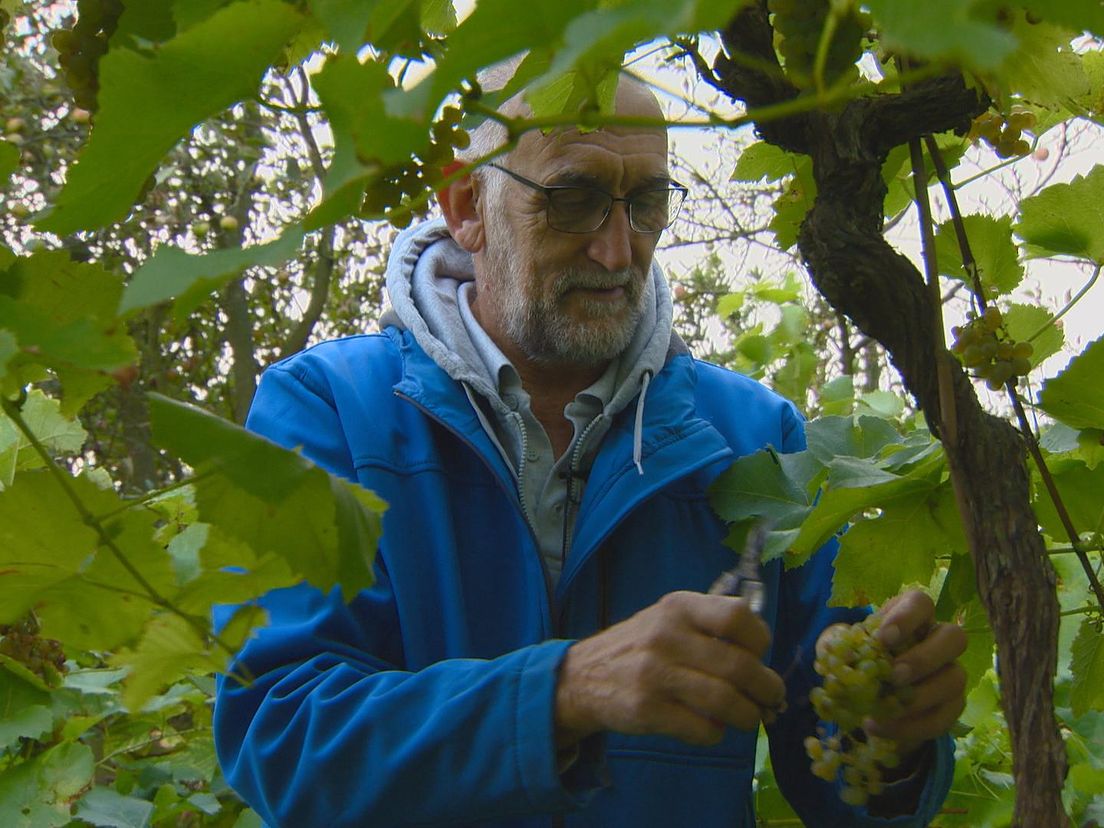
<point>686,666</point>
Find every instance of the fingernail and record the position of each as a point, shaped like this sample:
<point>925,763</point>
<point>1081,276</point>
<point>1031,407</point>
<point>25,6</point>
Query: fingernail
<point>902,674</point>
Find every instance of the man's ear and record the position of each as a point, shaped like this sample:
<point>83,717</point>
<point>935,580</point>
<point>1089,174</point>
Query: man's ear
<point>460,204</point>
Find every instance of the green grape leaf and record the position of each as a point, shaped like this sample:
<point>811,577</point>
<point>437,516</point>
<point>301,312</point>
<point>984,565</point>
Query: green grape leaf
<point>9,347</point>
<point>170,273</point>
<point>345,21</point>
<point>1076,396</point>
<point>43,541</point>
<point>37,793</point>
<point>189,78</point>
<point>149,21</point>
<point>756,486</point>
<point>994,252</point>
<point>9,159</point>
<point>26,711</point>
<point>273,499</point>
<point>1087,779</point>
<point>1044,69</point>
<point>107,808</point>
<point>1092,63</point>
<point>865,436</point>
<point>56,432</point>
<point>575,90</point>
<point>62,313</point>
<point>230,573</point>
<point>838,396</point>
<point>1082,493</point>
<point>860,486</point>
<point>942,30</point>
<point>879,556</point>
<point>596,41</point>
<point>106,604</point>
<point>1030,322</point>
<point>366,136</point>
<point>791,207</point>
<point>1066,218</point>
<point>438,16</point>
<point>170,649</point>
<point>1082,15</point>
<point>1087,667</point>
<point>493,32</point>
<point>762,160</point>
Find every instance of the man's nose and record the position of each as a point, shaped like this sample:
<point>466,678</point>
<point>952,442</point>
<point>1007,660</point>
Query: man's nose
<point>611,244</point>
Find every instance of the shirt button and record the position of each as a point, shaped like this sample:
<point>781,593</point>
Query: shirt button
<point>533,456</point>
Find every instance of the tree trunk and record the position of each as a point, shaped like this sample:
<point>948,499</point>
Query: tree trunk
<point>886,297</point>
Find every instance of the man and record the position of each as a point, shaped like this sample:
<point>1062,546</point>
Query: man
<point>538,644</point>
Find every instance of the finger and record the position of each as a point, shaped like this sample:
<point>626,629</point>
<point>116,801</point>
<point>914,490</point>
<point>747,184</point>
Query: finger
<point>945,643</point>
<point>721,616</point>
<point>937,703</point>
<point>719,700</point>
<point>684,723</point>
<point>908,616</point>
<point>924,726</point>
<point>736,666</point>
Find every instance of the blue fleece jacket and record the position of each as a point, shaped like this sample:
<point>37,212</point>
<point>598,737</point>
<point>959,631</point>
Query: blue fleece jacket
<point>427,700</point>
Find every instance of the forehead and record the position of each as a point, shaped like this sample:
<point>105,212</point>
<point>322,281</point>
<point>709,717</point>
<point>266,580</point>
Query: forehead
<point>616,157</point>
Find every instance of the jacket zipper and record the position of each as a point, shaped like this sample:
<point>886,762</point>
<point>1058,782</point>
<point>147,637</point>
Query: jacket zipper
<point>573,497</point>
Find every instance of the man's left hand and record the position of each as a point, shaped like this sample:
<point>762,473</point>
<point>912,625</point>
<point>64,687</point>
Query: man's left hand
<point>926,660</point>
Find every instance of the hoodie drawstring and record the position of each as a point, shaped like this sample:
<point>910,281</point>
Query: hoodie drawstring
<point>638,427</point>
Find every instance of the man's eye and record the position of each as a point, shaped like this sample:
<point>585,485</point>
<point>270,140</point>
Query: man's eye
<point>577,199</point>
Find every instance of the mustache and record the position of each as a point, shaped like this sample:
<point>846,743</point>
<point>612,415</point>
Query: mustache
<point>575,279</point>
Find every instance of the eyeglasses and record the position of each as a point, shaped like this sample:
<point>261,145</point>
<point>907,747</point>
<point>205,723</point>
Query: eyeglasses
<point>573,209</point>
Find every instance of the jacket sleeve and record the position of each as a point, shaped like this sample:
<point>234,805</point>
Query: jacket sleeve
<point>803,612</point>
<point>331,731</point>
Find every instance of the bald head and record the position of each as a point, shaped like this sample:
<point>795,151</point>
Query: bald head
<point>633,98</point>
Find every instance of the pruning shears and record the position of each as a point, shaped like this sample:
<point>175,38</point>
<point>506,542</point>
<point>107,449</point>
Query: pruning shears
<point>745,579</point>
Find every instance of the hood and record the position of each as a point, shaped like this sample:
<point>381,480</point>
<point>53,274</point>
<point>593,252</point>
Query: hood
<point>424,276</point>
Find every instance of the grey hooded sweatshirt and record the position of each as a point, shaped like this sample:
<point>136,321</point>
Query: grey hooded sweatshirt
<point>430,283</point>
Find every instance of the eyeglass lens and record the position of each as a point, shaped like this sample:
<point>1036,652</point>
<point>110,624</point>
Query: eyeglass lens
<point>582,210</point>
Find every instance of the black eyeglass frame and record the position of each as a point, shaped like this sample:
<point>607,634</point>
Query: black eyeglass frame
<point>547,191</point>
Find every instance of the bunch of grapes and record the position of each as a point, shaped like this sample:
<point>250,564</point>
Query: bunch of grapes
<point>397,187</point>
<point>982,345</point>
<point>1004,135</point>
<point>797,27</point>
<point>856,669</point>
<point>80,48</point>
<point>42,656</point>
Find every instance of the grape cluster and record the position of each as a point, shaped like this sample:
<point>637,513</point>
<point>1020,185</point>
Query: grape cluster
<point>797,27</point>
<point>1004,135</point>
<point>856,669</point>
<point>42,656</point>
<point>81,47</point>
<point>395,190</point>
<point>982,345</point>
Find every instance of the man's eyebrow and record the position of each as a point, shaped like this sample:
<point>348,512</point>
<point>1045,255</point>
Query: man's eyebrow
<point>575,178</point>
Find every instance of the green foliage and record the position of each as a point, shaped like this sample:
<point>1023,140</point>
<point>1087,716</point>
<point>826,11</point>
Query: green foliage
<point>199,104</point>
<point>1066,218</point>
<point>1075,396</point>
<point>191,77</point>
